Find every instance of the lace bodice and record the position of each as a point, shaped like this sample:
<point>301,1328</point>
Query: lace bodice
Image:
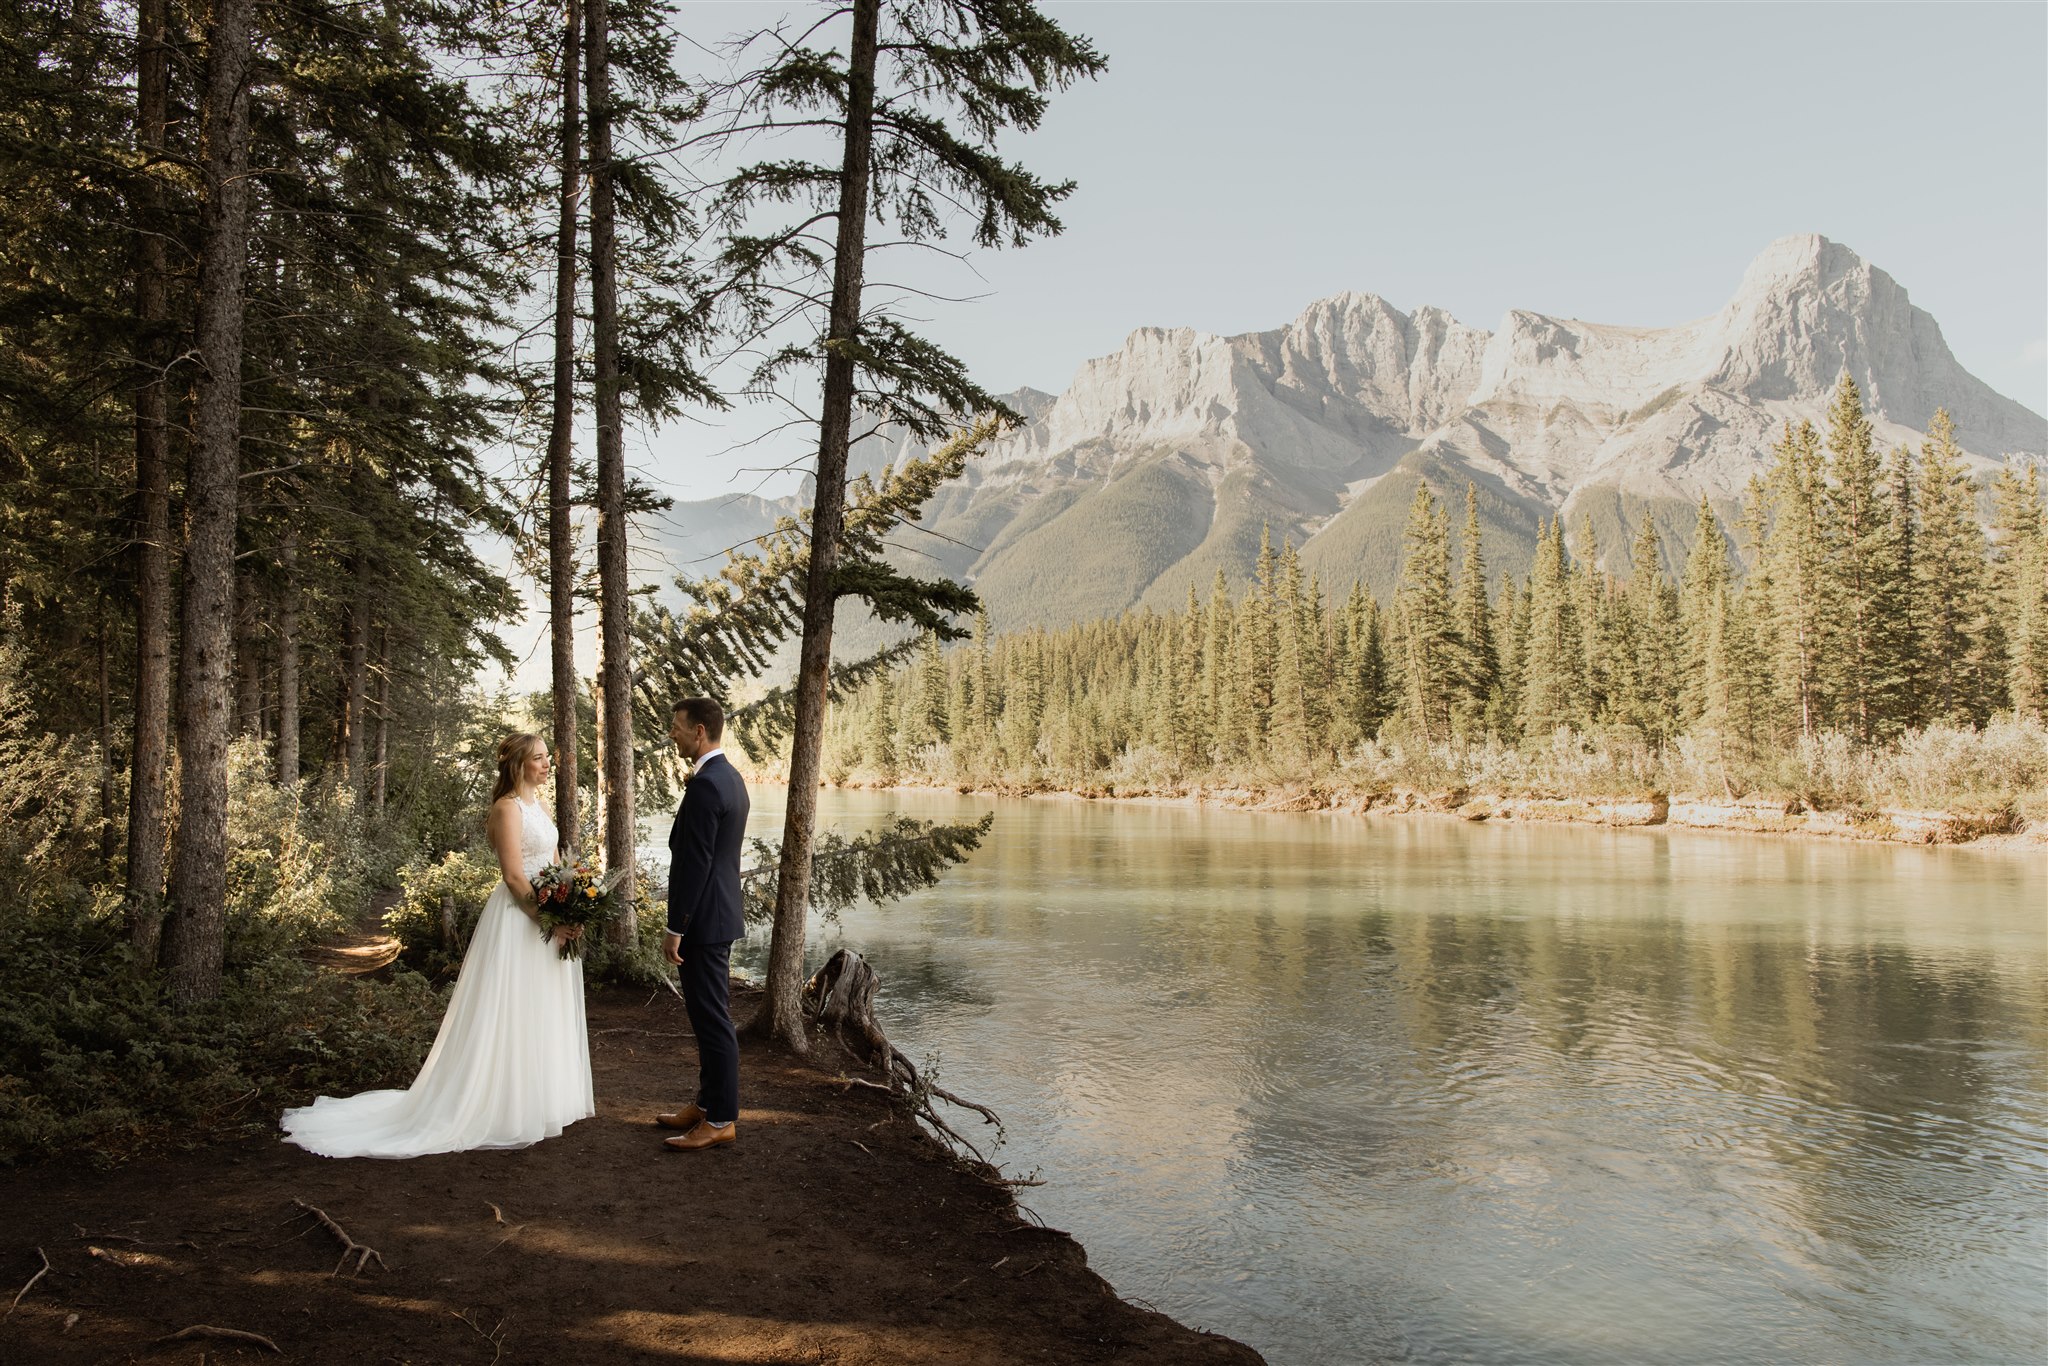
<point>536,837</point>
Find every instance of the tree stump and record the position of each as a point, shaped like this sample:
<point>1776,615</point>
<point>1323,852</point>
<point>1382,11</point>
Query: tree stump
<point>841,997</point>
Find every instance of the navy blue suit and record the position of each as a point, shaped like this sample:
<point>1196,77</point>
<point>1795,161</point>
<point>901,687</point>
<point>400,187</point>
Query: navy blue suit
<point>704,907</point>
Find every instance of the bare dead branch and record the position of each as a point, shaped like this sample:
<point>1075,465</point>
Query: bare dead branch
<point>953,1291</point>
<point>31,1284</point>
<point>207,1330</point>
<point>496,1337</point>
<point>362,1252</point>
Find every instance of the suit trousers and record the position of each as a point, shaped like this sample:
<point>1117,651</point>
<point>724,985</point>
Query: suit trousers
<point>706,978</point>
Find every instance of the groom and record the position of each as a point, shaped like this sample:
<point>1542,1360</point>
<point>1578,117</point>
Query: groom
<point>704,917</point>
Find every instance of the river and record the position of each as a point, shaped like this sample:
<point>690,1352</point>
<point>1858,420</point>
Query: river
<point>1408,1089</point>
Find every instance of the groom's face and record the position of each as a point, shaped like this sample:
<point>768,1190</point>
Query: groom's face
<point>690,739</point>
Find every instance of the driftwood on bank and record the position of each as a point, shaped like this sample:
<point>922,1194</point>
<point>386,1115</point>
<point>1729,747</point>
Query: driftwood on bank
<point>840,998</point>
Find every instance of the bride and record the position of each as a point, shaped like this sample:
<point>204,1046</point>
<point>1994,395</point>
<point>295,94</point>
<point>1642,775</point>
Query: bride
<point>511,1065</point>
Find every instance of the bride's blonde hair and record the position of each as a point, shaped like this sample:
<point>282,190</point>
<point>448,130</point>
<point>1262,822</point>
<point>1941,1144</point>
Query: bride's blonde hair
<point>513,752</point>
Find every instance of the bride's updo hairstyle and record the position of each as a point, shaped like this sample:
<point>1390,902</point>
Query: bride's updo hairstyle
<point>513,752</point>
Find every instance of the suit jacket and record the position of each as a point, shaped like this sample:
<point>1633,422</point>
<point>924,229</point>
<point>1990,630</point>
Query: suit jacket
<point>704,848</point>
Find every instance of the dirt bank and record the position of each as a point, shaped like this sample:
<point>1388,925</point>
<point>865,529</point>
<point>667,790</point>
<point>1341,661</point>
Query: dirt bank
<point>832,1232</point>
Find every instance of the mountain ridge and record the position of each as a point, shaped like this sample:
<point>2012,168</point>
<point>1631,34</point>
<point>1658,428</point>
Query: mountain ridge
<point>1163,462</point>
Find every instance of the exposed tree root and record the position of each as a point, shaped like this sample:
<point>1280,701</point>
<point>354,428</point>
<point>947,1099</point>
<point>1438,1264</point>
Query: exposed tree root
<point>31,1284</point>
<point>496,1337</point>
<point>362,1252</point>
<point>841,999</point>
<point>207,1330</point>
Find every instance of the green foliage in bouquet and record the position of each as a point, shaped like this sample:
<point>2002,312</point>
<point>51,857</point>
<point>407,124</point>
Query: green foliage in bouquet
<point>574,896</point>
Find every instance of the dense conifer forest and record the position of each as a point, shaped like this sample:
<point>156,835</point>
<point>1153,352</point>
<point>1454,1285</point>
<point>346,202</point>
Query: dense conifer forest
<point>302,309</point>
<point>1859,636</point>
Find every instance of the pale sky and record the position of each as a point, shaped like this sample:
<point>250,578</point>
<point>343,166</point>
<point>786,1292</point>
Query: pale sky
<point>1620,163</point>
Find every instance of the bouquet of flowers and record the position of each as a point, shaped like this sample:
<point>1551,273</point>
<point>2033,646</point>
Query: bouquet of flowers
<point>573,896</point>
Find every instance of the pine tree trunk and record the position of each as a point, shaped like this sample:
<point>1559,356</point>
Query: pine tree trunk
<point>106,737</point>
<point>248,662</point>
<point>615,701</point>
<point>381,744</point>
<point>597,706</point>
<point>194,937</point>
<point>782,1013</point>
<point>561,449</point>
<point>288,660</point>
<point>355,649</point>
<point>148,751</point>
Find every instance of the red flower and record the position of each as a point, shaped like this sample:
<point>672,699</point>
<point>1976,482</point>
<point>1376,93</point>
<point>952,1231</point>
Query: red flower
<point>561,893</point>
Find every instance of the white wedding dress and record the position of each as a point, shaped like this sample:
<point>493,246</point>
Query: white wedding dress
<point>511,1065</point>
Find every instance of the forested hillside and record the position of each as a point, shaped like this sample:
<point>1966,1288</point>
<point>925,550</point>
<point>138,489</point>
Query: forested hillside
<point>1858,612</point>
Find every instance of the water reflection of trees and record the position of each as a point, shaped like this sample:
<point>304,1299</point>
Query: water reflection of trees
<point>1783,1009</point>
<point>1875,1079</point>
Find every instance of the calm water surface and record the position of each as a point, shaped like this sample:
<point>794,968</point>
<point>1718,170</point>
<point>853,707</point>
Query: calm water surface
<point>1410,1089</point>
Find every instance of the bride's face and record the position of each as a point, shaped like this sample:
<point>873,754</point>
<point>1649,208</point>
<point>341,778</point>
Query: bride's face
<point>535,769</point>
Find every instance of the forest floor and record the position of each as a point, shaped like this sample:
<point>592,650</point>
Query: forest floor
<point>834,1231</point>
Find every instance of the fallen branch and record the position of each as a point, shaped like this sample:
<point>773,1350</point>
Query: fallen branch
<point>934,1303</point>
<point>496,1337</point>
<point>207,1330</point>
<point>362,1252</point>
<point>862,1146</point>
<point>31,1284</point>
<point>510,1234</point>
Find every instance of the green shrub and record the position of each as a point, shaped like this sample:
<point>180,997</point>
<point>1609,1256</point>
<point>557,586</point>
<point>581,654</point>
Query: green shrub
<point>468,876</point>
<point>48,786</point>
<point>95,1065</point>
<point>642,964</point>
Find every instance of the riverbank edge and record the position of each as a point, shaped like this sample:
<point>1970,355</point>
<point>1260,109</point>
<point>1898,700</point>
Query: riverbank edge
<point>944,1247</point>
<point>1997,829</point>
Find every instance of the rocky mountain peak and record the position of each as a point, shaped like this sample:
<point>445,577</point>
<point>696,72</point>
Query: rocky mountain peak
<point>1163,462</point>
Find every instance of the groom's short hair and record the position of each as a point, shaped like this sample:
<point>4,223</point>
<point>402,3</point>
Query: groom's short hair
<point>702,711</point>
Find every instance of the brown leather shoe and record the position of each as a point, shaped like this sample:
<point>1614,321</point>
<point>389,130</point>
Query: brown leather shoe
<point>703,1136</point>
<point>687,1118</point>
